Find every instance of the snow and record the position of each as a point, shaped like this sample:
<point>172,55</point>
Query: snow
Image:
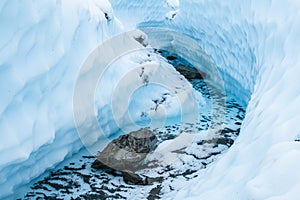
<point>254,44</point>
<point>165,151</point>
<point>166,154</point>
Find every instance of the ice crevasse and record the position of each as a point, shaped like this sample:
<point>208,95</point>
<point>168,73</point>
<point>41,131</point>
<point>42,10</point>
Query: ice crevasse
<point>255,45</point>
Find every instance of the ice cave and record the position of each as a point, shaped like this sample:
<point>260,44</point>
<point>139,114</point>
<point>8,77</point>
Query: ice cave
<point>161,99</point>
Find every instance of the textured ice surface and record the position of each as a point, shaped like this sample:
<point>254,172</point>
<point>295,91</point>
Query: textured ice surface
<point>42,46</point>
<point>255,44</point>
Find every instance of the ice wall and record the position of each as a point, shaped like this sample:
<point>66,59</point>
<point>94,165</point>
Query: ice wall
<point>230,39</point>
<point>254,44</point>
<point>257,44</point>
<point>42,46</point>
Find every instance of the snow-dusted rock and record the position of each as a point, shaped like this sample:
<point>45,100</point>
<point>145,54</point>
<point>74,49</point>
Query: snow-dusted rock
<point>127,151</point>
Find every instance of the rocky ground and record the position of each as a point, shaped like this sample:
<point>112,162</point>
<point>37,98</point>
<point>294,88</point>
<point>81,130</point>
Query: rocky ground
<point>182,150</point>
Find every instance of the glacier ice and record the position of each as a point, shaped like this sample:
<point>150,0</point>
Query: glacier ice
<point>255,45</point>
<point>140,77</point>
<point>42,46</point>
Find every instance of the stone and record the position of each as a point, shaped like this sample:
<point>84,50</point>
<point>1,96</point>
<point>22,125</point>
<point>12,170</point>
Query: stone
<point>189,72</point>
<point>132,178</point>
<point>127,151</point>
<point>171,57</point>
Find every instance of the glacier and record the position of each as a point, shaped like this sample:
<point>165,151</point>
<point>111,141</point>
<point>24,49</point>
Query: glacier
<point>254,44</point>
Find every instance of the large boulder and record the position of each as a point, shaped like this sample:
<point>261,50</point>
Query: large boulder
<point>127,151</point>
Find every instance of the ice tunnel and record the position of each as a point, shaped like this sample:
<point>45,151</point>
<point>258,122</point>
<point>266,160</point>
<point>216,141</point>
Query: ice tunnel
<point>253,45</point>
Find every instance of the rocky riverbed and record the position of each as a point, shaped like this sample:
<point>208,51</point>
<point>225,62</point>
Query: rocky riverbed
<point>173,155</point>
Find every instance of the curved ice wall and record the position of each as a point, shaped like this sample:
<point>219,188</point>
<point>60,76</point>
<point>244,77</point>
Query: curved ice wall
<point>42,46</point>
<point>255,45</point>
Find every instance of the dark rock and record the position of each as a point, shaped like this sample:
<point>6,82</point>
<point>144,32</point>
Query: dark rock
<point>127,151</point>
<point>99,195</point>
<point>136,179</point>
<point>142,40</point>
<point>98,165</point>
<point>154,193</point>
<point>107,17</point>
<point>133,179</point>
<point>223,140</point>
<point>189,72</point>
<point>171,57</point>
